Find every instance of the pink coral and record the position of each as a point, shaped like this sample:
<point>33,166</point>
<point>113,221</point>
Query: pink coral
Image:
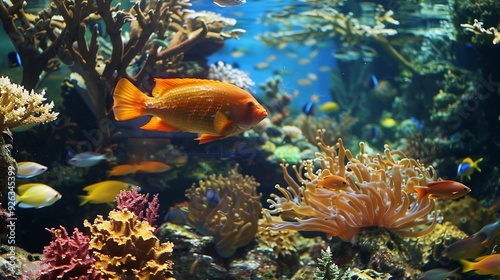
<point>135,202</point>
<point>67,257</point>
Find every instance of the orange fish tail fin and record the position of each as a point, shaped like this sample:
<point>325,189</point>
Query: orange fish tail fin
<point>129,101</point>
<point>468,266</point>
<point>421,192</point>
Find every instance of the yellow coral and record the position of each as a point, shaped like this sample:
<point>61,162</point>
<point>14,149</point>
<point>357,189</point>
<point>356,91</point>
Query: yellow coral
<point>379,194</point>
<point>124,247</point>
<point>233,220</point>
<point>21,107</point>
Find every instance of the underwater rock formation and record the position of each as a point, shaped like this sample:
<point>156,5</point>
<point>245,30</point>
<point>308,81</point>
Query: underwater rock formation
<point>124,246</point>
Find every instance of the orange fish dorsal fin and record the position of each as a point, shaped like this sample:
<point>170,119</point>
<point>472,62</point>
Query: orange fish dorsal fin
<point>221,123</point>
<point>157,124</point>
<point>206,138</point>
<point>164,85</point>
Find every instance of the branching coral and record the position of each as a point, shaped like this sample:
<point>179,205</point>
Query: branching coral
<point>68,257</point>
<point>138,204</point>
<point>21,107</point>
<point>378,194</point>
<point>477,29</point>
<point>228,208</point>
<point>125,247</point>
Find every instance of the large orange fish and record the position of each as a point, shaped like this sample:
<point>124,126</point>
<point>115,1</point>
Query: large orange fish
<point>212,108</point>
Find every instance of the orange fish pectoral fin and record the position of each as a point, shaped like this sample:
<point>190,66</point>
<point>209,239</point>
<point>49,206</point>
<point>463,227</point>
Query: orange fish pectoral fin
<point>158,124</point>
<point>421,192</point>
<point>129,101</point>
<point>222,123</point>
<point>206,138</point>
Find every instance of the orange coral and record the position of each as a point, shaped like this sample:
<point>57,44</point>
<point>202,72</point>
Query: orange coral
<point>124,247</point>
<point>379,194</point>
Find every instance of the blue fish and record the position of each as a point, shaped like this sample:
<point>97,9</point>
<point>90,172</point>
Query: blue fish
<point>309,108</point>
<point>466,168</point>
<point>374,80</point>
<point>212,199</point>
<point>14,59</point>
<point>417,123</point>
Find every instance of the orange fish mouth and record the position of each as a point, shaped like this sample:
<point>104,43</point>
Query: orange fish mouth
<point>262,114</point>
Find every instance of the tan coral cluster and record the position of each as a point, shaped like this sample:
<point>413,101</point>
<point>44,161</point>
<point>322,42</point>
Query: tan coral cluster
<point>21,107</point>
<point>378,193</point>
<point>227,208</point>
<point>125,247</point>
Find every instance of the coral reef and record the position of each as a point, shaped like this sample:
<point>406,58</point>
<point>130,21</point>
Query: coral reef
<point>379,194</point>
<point>429,247</point>
<point>327,22</point>
<point>227,208</point>
<point>467,214</point>
<point>68,257</point>
<point>19,106</point>
<point>226,73</point>
<point>124,246</point>
<point>136,202</point>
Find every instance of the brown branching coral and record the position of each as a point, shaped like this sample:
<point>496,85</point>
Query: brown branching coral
<point>125,247</point>
<point>21,107</point>
<point>227,208</point>
<point>379,194</point>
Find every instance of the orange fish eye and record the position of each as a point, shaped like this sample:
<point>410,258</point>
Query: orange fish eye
<point>250,104</point>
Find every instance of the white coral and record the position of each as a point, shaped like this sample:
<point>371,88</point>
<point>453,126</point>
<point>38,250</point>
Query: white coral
<point>21,107</point>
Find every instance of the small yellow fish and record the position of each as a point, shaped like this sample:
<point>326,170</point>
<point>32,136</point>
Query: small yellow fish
<point>329,107</point>
<point>444,189</point>
<point>388,122</point>
<point>104,192</point>
<point>486,265</point>
<point>28,169</point>
<point>262,65</point>
<point>36,195</point>
<point>304,61</point>
<point>466,168</point>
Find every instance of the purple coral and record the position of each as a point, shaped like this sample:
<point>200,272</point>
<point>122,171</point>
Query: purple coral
<point>68,257</point>
<point>135,202</point>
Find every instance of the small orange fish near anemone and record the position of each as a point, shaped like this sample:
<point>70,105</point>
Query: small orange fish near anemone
<point>211,108</point>
<point>444,189</point>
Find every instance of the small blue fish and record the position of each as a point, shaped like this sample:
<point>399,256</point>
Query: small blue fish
<point>370,131</point>
<point>466,168</point>
<point>309,108</point>
<point>88,159</point>
<point>374,80</point>
<point>212,198</point>
<point>229,3</point>
<point>417,123</point>
<point>14,59</point>
<point>28,169</point>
